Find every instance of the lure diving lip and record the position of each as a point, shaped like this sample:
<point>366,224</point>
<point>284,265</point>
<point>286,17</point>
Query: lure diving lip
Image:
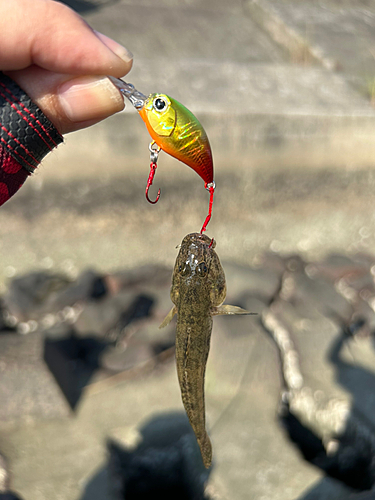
<point>175,130</point>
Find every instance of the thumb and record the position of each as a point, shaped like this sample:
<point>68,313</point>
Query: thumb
<point>69,102</point>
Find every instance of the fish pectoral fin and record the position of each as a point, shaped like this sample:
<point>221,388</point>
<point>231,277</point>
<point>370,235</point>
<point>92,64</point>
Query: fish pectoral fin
<point>169,317</point>
<point>228,309</point>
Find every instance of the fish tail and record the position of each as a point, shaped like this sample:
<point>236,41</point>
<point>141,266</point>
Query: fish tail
<point>206,450</point>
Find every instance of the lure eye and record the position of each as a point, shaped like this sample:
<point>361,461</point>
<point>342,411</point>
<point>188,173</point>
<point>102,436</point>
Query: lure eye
<point>160,104</point>
<point>184,269</point>
<point>202,269</point>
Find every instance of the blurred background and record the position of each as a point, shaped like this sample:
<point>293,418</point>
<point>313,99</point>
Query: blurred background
<point>285,91</point>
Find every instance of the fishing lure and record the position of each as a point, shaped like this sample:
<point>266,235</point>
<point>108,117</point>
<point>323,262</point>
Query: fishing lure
<point>175,130</point>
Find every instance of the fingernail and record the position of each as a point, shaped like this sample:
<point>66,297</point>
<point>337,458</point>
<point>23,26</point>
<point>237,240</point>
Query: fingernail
<point>89,98</point>
<point>120,51</point>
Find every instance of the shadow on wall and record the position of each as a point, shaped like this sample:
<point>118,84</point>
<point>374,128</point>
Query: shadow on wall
<point>83,6</point>
<point>166,464</point>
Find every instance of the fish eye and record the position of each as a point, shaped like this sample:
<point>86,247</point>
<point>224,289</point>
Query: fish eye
<point>202,269</point>
<point>184,269</point>
<point>159,104</point>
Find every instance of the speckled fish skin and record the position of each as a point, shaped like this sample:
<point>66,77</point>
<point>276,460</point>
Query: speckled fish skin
<point>178,132</point>
<point>198,290</point>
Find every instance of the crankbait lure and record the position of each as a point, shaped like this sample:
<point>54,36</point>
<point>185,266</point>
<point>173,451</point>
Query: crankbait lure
<point>175,130</point>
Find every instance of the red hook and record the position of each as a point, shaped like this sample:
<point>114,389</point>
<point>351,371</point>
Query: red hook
<point>211,189</point>
<point>149,183</point>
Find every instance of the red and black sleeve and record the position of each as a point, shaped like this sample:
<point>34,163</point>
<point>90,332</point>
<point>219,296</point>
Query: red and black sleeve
<point>26,136</point>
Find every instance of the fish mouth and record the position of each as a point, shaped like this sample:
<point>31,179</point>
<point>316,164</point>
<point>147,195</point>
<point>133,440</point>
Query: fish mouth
<point>197,238</point>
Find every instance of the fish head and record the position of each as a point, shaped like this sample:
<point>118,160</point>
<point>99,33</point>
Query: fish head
<point>198,265</point>
<point>159,116</point>
<point>179,133</point>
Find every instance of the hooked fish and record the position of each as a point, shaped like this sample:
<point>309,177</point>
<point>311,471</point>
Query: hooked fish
<point>198,292</point>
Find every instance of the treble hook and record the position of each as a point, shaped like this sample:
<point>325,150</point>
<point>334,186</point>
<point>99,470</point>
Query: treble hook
<point>153,165</point>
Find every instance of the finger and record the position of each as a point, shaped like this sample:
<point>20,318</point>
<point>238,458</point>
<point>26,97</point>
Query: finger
<point>51,35</point>
<point>70,102</point>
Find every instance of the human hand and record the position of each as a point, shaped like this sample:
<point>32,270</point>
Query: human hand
<point>60,62</point>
